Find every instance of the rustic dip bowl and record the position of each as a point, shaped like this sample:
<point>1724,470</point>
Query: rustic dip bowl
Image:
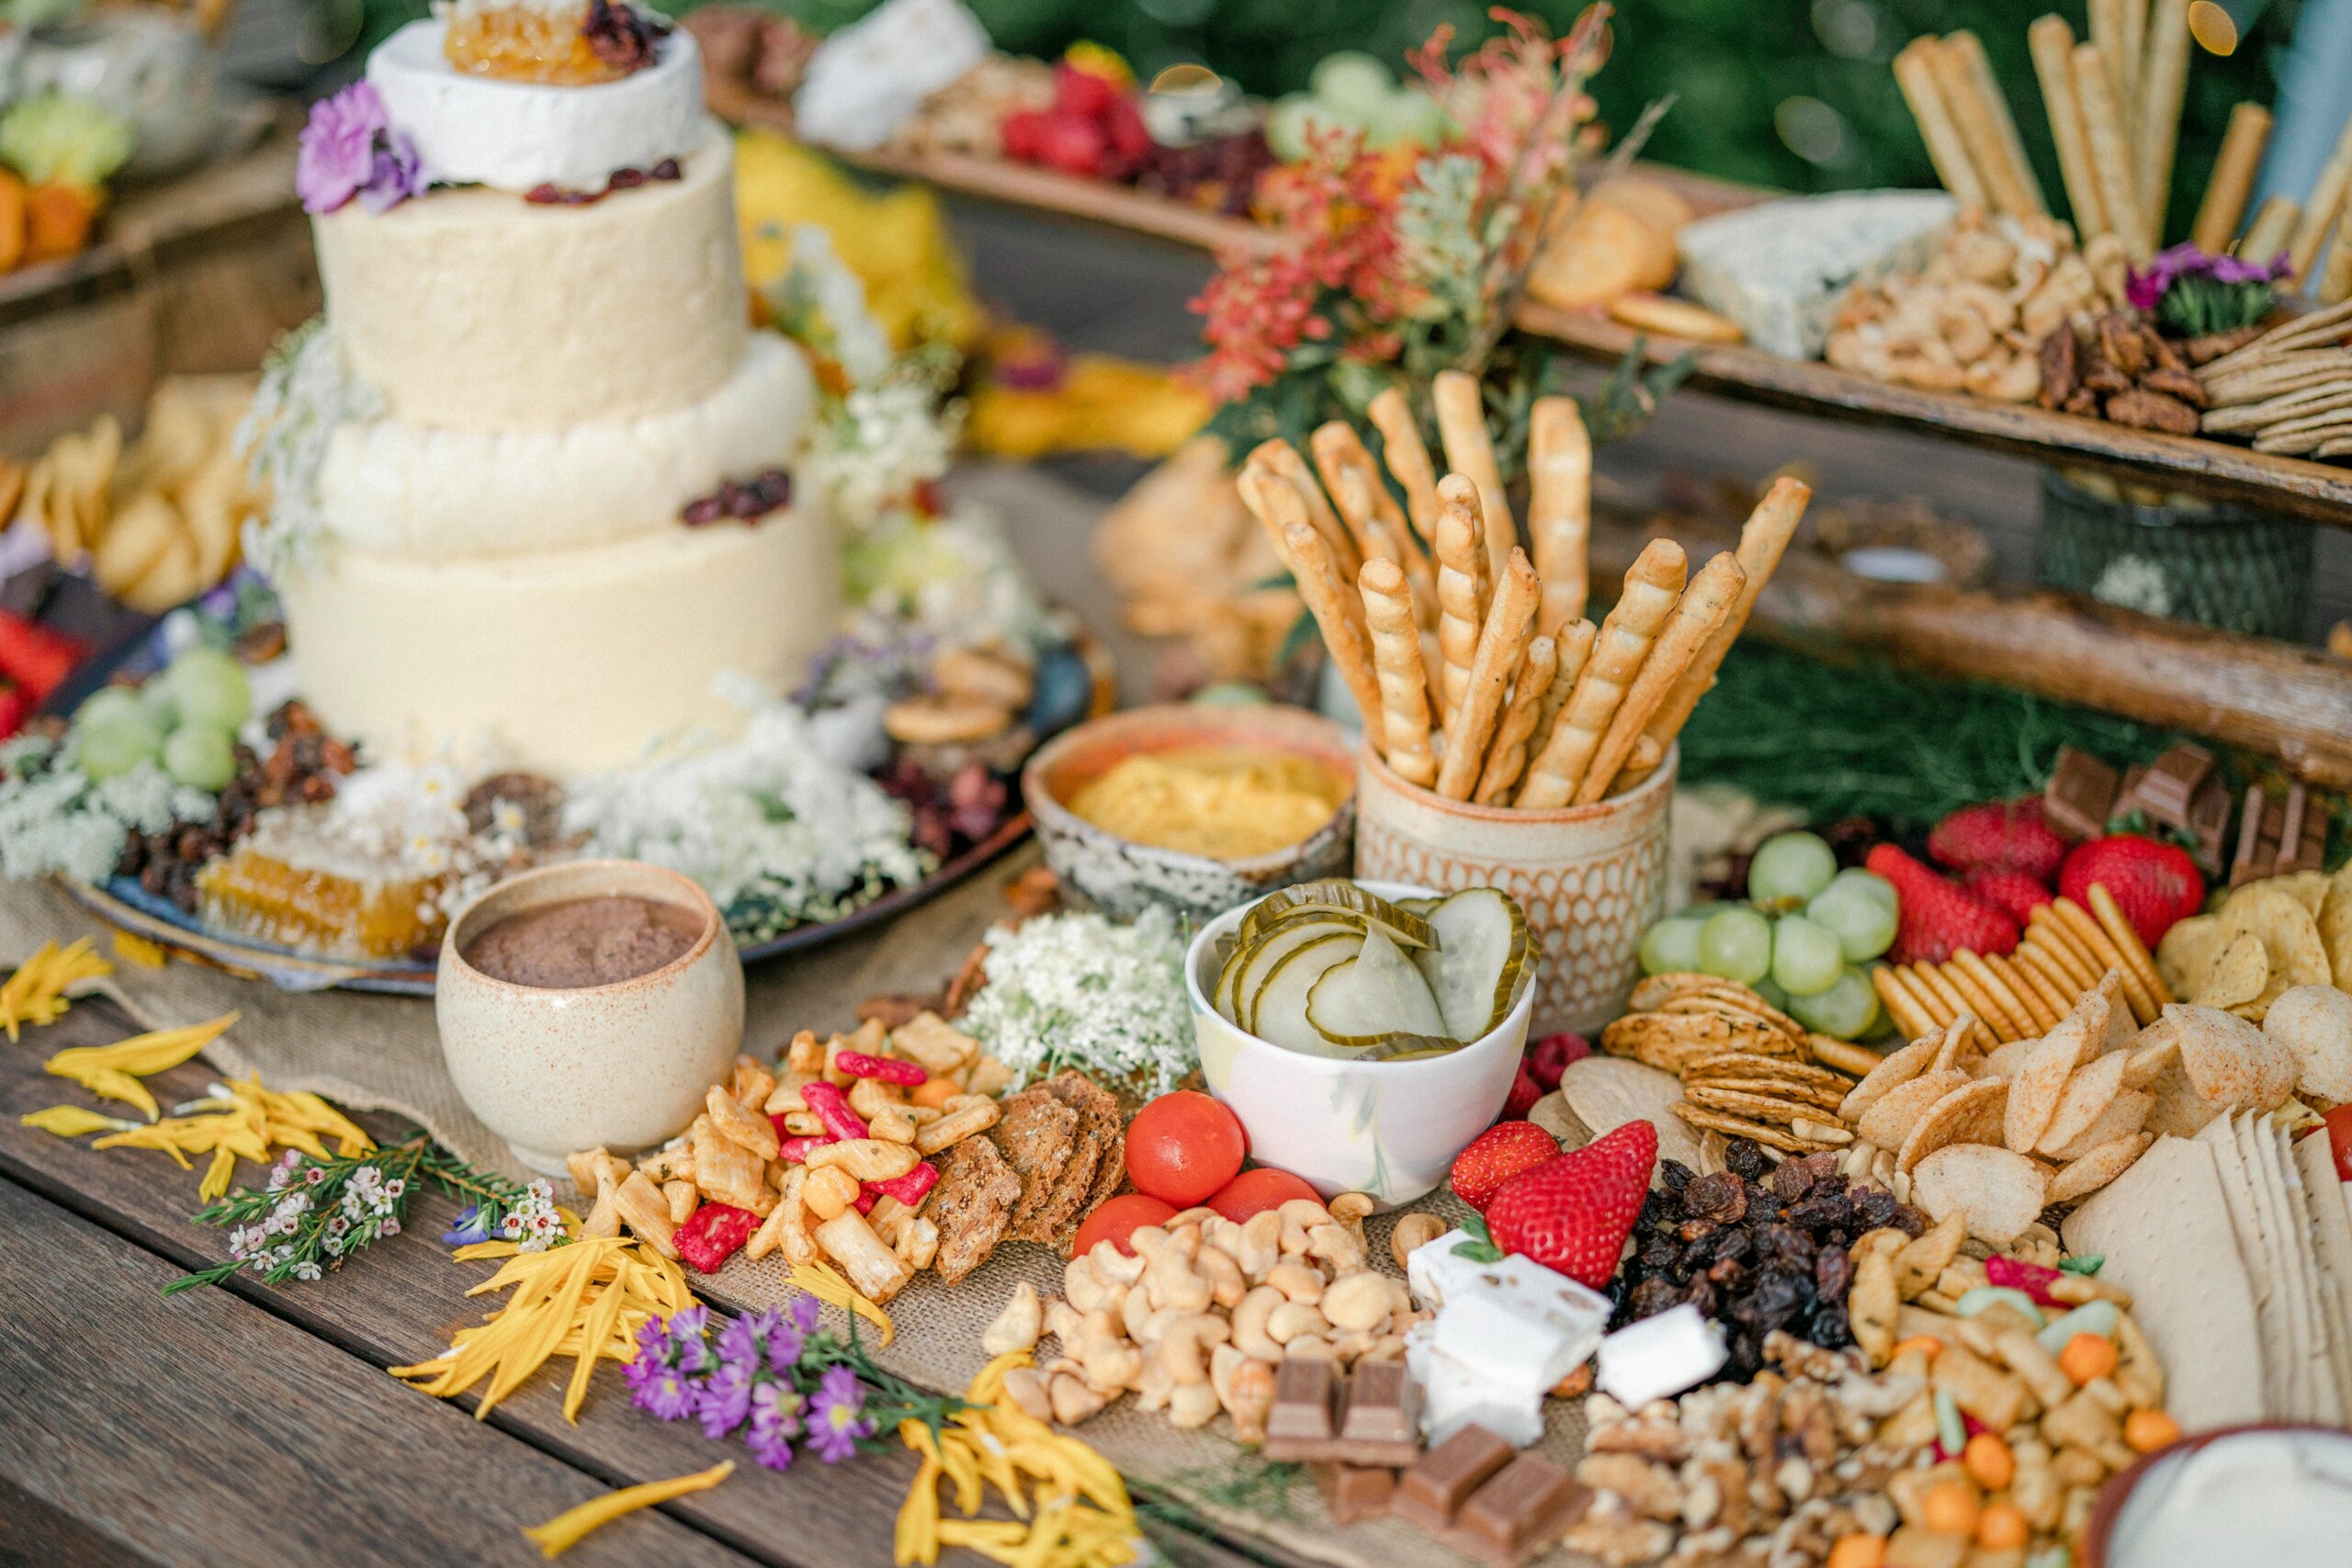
<point>2298,1498</point>
<point>1386,1129</point>
<point>624,1065</point>
<point>1124,878</point>
<point>1592,878</point>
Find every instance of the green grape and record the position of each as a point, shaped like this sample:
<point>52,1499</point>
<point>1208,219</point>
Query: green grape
<point>1863,925</point>
<point>210,689</point>
<point>1789,868</point>
<point>1871,883</point>
<point>1288,122</point>
<point>199,757</point>
<point>108,751</point>
<point>107,706</point>
<point>1353,83</point>
<point>1671,946</point>
<point>1771,991</point>
<point>1805,957</point>
<point>1737,944</point>
<point>1845,1009</point>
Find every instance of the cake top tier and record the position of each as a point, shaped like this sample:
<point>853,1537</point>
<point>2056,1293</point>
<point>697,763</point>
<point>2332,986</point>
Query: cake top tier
<point>574,131</point>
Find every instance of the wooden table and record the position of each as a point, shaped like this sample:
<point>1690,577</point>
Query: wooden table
<point>254,1424</point>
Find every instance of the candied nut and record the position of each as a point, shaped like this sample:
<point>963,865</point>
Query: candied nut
<point>1649,1489</point>
<point>828,1192</point>
<point>1018,1326</point>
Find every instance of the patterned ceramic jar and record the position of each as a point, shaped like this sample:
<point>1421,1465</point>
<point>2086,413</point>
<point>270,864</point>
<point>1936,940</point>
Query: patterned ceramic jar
<point>1592,878</point>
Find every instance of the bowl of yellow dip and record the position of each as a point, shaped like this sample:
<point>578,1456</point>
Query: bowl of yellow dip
<point>1194,808</point>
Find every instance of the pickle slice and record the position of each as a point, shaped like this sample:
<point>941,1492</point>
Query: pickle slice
<point>1253,960</point>
<point>1373,998</point>
<point>1408,1048</point>
<point>1340,896</point>
<point>1484,956</point>
<point>1278,1009</point>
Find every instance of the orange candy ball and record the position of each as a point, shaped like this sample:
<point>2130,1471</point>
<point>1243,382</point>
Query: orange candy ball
<point>2088,1356</point>
<point>2002,1528</point>
<point>1949,1507</point>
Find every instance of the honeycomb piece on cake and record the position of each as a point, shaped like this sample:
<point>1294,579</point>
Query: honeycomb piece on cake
<point>526,41</point>
<point>296,884</point>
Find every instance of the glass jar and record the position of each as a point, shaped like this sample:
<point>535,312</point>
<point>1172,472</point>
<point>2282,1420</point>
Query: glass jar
<point>2182,556</point>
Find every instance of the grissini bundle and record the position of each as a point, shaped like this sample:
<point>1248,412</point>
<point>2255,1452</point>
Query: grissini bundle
<point>1914,73</point>
<point>1502,642</point>
<point>1461,426</point>
<point>1460,546</point>
<point>1652,585</point>
<point>2052,42</point>
<point>1369,510</point>
<point>1506,756</point>
<point>1404,682</point>
<point>1703,608</point>
<point>1559,507</point>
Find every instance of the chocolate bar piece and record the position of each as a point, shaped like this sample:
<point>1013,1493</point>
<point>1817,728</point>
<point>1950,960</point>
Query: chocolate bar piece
<point>1524,1507</point>
<point>2080,796</point>
<point>2209,824</point>
<point>2302,834</point>
<point>2166,791</point>
<point>1433,1491</point>
<point>1353,1492</point>
<point>2277,837</point>
<point>1383,1421</point>
<point>1305,1394</point>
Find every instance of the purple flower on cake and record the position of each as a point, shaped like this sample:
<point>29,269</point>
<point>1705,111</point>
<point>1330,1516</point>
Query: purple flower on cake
<point>2147,289</point>
<point>350,149</point>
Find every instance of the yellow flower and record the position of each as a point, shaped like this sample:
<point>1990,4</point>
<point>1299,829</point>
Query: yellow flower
<point>565,1530</point>
<point>36,993</point>
<point>72,1121</point>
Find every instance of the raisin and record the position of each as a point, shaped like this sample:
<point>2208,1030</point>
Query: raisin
<point>1744,1157</point>
<point>1729,1270</point>
<point>1722,1197</point>
<point>1793,1180</point>
<point>1821,1213</point>
<point>1873,1208</point>
<point>1789,1243</point>
<point>1833,1270</point>
<point>1909,1220</point>
<point>1653,1296</point>
<point>1828,1326</point>
<point>1675,1174</point>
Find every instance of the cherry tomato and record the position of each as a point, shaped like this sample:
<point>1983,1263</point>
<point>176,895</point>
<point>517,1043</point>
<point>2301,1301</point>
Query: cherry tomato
<point>2339,1140</point>
<point>1254,1191</point>
<point>1116,1220</point>
<point>1184,1147</point>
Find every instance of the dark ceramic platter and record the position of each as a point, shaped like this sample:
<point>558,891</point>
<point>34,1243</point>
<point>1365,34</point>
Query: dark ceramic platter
<point>1065,694</point>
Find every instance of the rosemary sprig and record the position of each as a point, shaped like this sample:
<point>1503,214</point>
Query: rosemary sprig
<point>315,1212</point>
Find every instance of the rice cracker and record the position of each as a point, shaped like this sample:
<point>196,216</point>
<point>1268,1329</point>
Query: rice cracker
<point>1969,1114</point>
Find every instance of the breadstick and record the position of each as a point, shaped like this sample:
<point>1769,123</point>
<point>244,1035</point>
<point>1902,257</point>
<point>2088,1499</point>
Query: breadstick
<point>1261,493</point>
<point>1701,612</point>
<point>1460,602</point>
<point>2111,153</point>
<point>1502,642</point>
<point>1574,641</point>
<point>1358,512</point>
<point>2336,285</point>
<point>2223,207</point>
<point>2052,43</point>
<point>1369,510</point>
<point>1763,539</point>
<point>2161,85</point>
<point>1341,614</point>
<point>1914,73</point>
<point>1559,508</point>
<point>1403,735</point>
<point>1652,585</point>
<point>2327,199</point>
<point>1974,97</point>
<point>1407,459</point>
<point>1462,423</point>
<point>1280,459</point>
<point>2108,31</point>
<point>2273,227</point>
<point>2135,59</point>
<point>1507,758</point>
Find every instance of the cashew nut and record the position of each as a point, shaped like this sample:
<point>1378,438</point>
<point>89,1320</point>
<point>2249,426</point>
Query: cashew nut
<point>1260,1247</point>
<point>1227,1286</point>
<point>1358,1301</point>
<point>1083,1284</point>
<point>1297,1280</point>
<point>1168,1276</point>
<point>1250,1335</point>
<point>1351,1344</point>
<point>1064,1321</point>
<point>1244,1386</point>
<point>1115,1266</point>
<point>1336,1245</point>
<point>1135,1315</point>
<point>1073,1401</point>
<point>1018,1326</point>
<point>1026,1387</point>
<point>1291,1319</point>
<point>1183,1345</point>
<point>1311,1348</point>
<point>1193,1405</point>
<point>1108,1362</point>
<point>1199,1215</point>
<point>1300,1216</point>
<point>1222,1236</point>
<point>1351,1209</point>
<point>1413,1232</point>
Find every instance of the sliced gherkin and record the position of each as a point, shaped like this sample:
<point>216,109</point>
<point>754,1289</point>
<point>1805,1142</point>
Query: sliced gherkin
<point>1484,956</point>
<point>1374,996</point>
<point>1278,1007</point>
<point>1341,896</point>
<point>1407,1048</point>
<point>1253,961</point>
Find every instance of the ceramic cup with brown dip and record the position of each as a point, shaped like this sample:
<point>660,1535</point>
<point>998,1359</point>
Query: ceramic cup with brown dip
<point>589,1003</point>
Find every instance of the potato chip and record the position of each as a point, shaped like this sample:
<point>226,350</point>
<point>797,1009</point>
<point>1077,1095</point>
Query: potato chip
<point>1969,1114</point>
<point>2188,953</point>
<point>2005,1062</point>
<point>2335,926</point>
<point>1899,1068</point>
<point>2237,973</point>
<point>1889,1122</point>
<point>2087,1092</point>
<point>2081,1177</point>
<point>1998,1193</point>
<point>2315,1023</point>
<point>2287,932</point>
<point>2126,1113</point>
<point>2308,888</point>
<point>2231,1063</point>
<point>2041,1077</point>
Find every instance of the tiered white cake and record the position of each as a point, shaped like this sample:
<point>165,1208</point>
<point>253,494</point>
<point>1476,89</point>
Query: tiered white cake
<point>505,563</point>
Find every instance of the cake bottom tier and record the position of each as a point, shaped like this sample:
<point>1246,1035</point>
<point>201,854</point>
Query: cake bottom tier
<point>564,662</point>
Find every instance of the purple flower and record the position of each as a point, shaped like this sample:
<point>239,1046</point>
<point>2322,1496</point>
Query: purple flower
<point>806,1314</point>
<point>397,175</point>
<point>664,1393</point>
<point>685,1336</point>
<point>335,159</point>
<point>725,1399</point>
<point>764,1340</point>
<point>776,1421</point>
<point>2145,290</point>
<point>837,1416</point>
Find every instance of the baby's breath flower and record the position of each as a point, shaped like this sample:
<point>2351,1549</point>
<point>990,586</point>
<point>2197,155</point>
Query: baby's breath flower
<point>1078,990</point>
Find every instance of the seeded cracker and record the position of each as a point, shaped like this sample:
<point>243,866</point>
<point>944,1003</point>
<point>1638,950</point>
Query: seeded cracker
<point>1096,1104</point>
<point>1054,1220</point>
<point>1036,1135</point>
<point>972,1205</point>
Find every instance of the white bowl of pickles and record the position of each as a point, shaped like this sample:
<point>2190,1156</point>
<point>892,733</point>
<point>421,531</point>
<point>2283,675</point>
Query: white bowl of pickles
<point>1363,1031</point>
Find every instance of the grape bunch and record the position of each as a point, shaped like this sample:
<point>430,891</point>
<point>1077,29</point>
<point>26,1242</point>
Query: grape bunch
<point>184,719</point>
<point>1355,93</point>
<point>1804,938</point>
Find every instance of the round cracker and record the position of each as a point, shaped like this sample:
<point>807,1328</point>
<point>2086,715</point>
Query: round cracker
<point>1929,999</point>
<point>2064,946</point>
<point>2093,938</point>
<point>1970,1114</point>
<point>2085,1097</point>
<point>1980,1002</point>
<point>2126,938</point>
<point>2014,1012</point>
<point>1999,1191</point>
<point>2081,1177</point>
<point>1890,1121</point>
<point>1894,994</point>
<point>1853,1061</point>
<point>2045,1010</point>
<point>1934,976</point>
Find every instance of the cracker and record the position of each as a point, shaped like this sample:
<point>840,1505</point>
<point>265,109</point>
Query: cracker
<point>1934,982</point>
<point>1100,1106</point>
<point>2005,1062</point>
<point>1896,1069</point>
<point>1667,1041</point>
<point>2105,955</point>
<point>972,1205</point>
<point>1969,1114</point>
<point>2003,997</point>
<point>2126,939</point>
<point>1956,1034</point>
<point>1982,1002</point>
<point>2064,945</point>
<point>2035,957</point>
<point>2000,1192</point>
<point>1731,1126</point>
<point>1758,1107</point>
<point>2044,1008</point>
<point>1036,1135</point>
<point>2221,1137</point>
<point>2125,1114</point>
<point>2040,1078</point>
<point>1853,1061</point>
<point>2098,1166</point>
<point>1784,1069</point>
<point>2084,1098</point>
<point>2282,1186</point>
<point>1889,1122</point>
<point>1902,1004</point>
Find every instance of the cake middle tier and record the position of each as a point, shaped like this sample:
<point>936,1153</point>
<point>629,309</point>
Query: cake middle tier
<point>563,661</point>
<point>476,309</point>
<point>389,485</point>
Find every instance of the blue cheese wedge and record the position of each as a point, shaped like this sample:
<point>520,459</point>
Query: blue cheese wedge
<point>1780,267</point>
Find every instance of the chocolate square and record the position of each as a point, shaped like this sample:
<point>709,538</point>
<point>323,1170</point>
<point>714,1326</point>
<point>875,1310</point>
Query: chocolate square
<point>2168,788</point>
<point>2209,823</point>
<point>2080,796</point>
<point>1305,1394</point>
<point>1432,1492</point>
<point>1381,1405</point>
<point>1512,1512</point>
<point>1353,1492</point>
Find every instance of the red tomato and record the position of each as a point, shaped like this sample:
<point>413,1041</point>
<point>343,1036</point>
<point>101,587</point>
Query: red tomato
<point>1254,1191</point>
<point>1184,1147</point>
<point>2339,1140</point>
<point>1116,1220</point>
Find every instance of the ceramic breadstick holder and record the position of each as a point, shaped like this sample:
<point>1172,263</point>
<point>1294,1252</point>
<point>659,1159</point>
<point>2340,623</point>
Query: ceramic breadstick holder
<point>1592,878</point>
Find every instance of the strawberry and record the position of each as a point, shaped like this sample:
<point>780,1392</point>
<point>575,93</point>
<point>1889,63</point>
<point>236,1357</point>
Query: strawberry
<point>1573,1212</point>
<point>1550,1056</point>
<point>1497,1154</point>
<point>1998,835</point>
<point>1937,917</point>
<point>2015,891</point>
<point>1524,1092</point>
<point>2153,883</point>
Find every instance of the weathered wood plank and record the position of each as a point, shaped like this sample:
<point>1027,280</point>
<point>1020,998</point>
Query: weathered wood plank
<point>201,1431</point>
<point>400,1301</point>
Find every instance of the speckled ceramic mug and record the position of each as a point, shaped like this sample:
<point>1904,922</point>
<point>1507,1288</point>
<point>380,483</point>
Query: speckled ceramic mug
<point>626,1066</point>
<point>1592,878</point>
